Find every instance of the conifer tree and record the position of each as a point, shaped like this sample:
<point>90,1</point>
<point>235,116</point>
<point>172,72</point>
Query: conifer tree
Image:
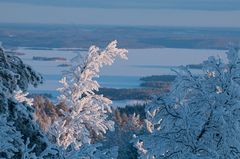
<point>20,136</point>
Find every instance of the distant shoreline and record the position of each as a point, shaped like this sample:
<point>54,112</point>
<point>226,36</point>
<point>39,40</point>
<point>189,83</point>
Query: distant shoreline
<point>131,37</point>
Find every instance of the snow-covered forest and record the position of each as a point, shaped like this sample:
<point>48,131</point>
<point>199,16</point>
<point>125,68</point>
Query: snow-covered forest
<point>197,118</point>
<point>77,128</point>
<point>127,79</point>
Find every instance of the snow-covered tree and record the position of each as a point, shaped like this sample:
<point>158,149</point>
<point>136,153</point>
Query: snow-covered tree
<point>10,139</point>
<point>199,118</point>
<point>87,112</point>
<point>91,151</point>
<point>19,132</point>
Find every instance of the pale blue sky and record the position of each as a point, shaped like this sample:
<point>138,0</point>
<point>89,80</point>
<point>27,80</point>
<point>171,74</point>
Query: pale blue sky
<point>145,4</point>
<point>199,13</point>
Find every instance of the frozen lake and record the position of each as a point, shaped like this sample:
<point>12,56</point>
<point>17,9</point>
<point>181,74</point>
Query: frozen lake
<point>123,73</point>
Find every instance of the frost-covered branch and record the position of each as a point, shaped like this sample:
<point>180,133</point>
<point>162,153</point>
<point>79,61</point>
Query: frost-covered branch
<point>22,97</point>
